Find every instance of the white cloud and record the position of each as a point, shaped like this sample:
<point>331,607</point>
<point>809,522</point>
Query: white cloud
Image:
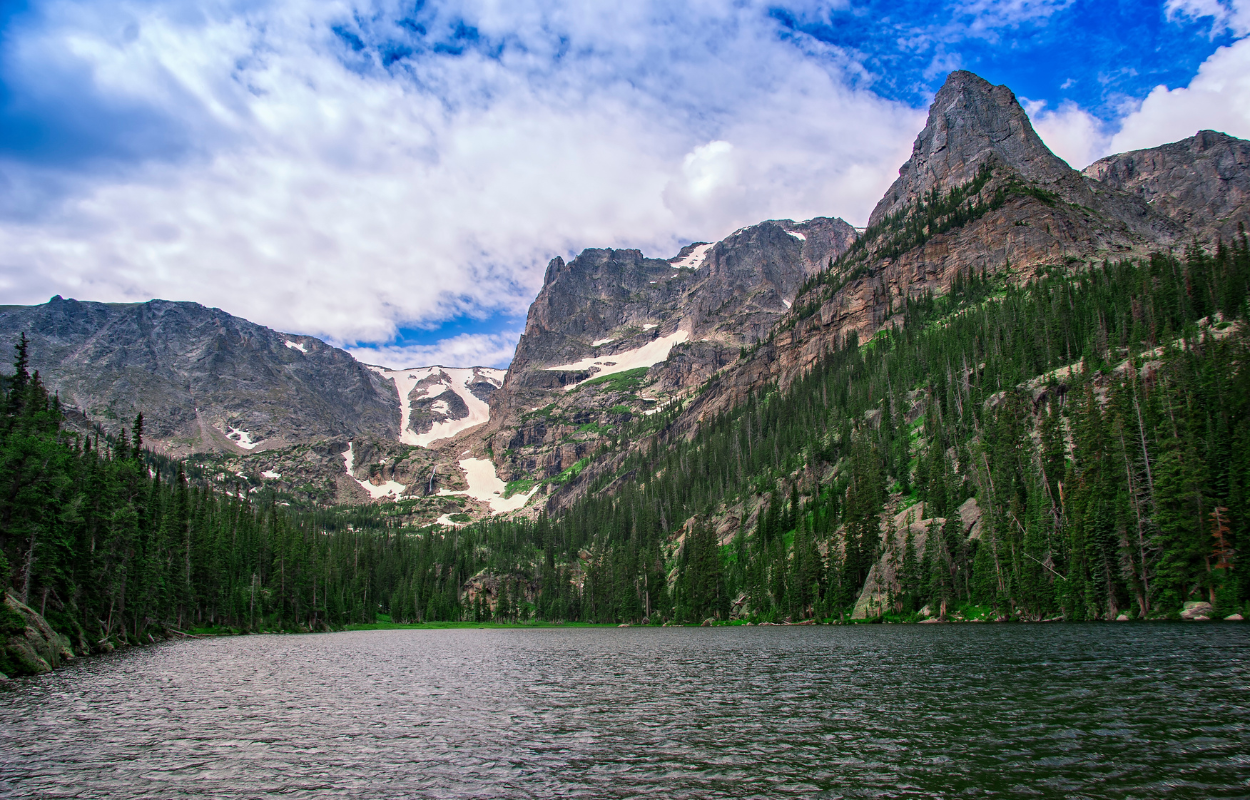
<point>1218,98</point>
<point>1231,16</point>
<point>465,350</point>
<point>988,15</point>
<point>326,194</point>
<point>1071,132</point>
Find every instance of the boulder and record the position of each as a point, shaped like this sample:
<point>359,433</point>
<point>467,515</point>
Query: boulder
<point>1197,610</point>
<point>1122,618</point>
<point>30,646</point>
<point>1233,618</point>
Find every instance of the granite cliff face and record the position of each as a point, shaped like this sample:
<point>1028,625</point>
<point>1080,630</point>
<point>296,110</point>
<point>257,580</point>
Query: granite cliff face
<point>971,123</point>
<point>1202,182</point>
<point>608,316</point>
<point>204,380</point>
<point>981,193</point>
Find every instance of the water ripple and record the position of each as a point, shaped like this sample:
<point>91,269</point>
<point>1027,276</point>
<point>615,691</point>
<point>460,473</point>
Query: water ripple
<point>1080,711</point>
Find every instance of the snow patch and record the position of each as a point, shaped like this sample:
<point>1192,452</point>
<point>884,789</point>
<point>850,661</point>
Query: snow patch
<point>695,259</point>
<point>797,235</point>
<point>454,379</point>
<point>241,438</point>
<point>484,485</point>
<point>446,520</point>
<point>296,346</point>
<point>270,474</point>
<point>391,489</point>
<point>785,302</point>
<point>440,407</point>
<point>598,342</point>
<point>649,326</point>
<point>649,354</point>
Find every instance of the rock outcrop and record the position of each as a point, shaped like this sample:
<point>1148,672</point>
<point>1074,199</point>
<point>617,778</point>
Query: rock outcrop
<point>1202,182</point>
<point>28,644</point>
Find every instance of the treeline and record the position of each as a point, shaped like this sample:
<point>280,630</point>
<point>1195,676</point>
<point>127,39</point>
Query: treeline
<point>1122,486</point>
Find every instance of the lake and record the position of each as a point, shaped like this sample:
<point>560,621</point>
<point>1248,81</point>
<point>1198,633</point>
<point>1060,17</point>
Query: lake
<point>1099,710</point>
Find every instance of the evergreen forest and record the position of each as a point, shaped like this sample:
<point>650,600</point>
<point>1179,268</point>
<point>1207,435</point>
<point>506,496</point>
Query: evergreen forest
<point>1099,416</point>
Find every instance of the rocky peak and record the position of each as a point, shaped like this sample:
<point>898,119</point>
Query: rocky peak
<point>971,122</point>
<point>1202,182</point>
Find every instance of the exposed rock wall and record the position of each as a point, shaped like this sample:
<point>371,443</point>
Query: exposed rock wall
<point>1202,182</point>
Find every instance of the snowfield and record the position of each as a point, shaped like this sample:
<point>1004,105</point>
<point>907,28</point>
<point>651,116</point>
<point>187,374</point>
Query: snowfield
<point>392,489</point>
<point>649,354</point>
<point>241,438</point>
<point>695,259</point>
<point>484,485</point>
<point>296,346</point>
<point>454,379</point>
<point>797,235</point>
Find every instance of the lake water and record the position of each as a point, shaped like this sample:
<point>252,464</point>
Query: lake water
<point>1129,710</point>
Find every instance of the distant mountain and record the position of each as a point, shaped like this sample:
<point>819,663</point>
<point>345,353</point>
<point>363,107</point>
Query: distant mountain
<point>440,402</point>
<point>981,194</point>
<point>204,379</point>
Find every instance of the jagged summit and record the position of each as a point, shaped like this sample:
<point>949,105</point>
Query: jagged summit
<point>1202,182</point>
<point>970,122</point>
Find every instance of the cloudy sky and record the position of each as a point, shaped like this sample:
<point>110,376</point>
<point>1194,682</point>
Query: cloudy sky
<point>394,176</point>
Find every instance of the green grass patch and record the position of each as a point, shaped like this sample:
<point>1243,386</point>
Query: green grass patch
<point>625,381</point>
<point>572,472</point>
<point>520,486</point>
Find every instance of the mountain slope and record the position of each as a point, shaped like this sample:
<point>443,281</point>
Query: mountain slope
<point>204,380</point>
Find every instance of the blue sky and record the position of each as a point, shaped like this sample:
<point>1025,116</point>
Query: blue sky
<point>394,176</point>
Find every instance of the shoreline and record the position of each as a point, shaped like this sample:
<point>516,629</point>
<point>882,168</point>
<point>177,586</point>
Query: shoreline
<point>38,648</point>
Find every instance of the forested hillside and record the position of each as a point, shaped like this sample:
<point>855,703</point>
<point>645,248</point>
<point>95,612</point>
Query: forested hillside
<point>1100,418</point>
